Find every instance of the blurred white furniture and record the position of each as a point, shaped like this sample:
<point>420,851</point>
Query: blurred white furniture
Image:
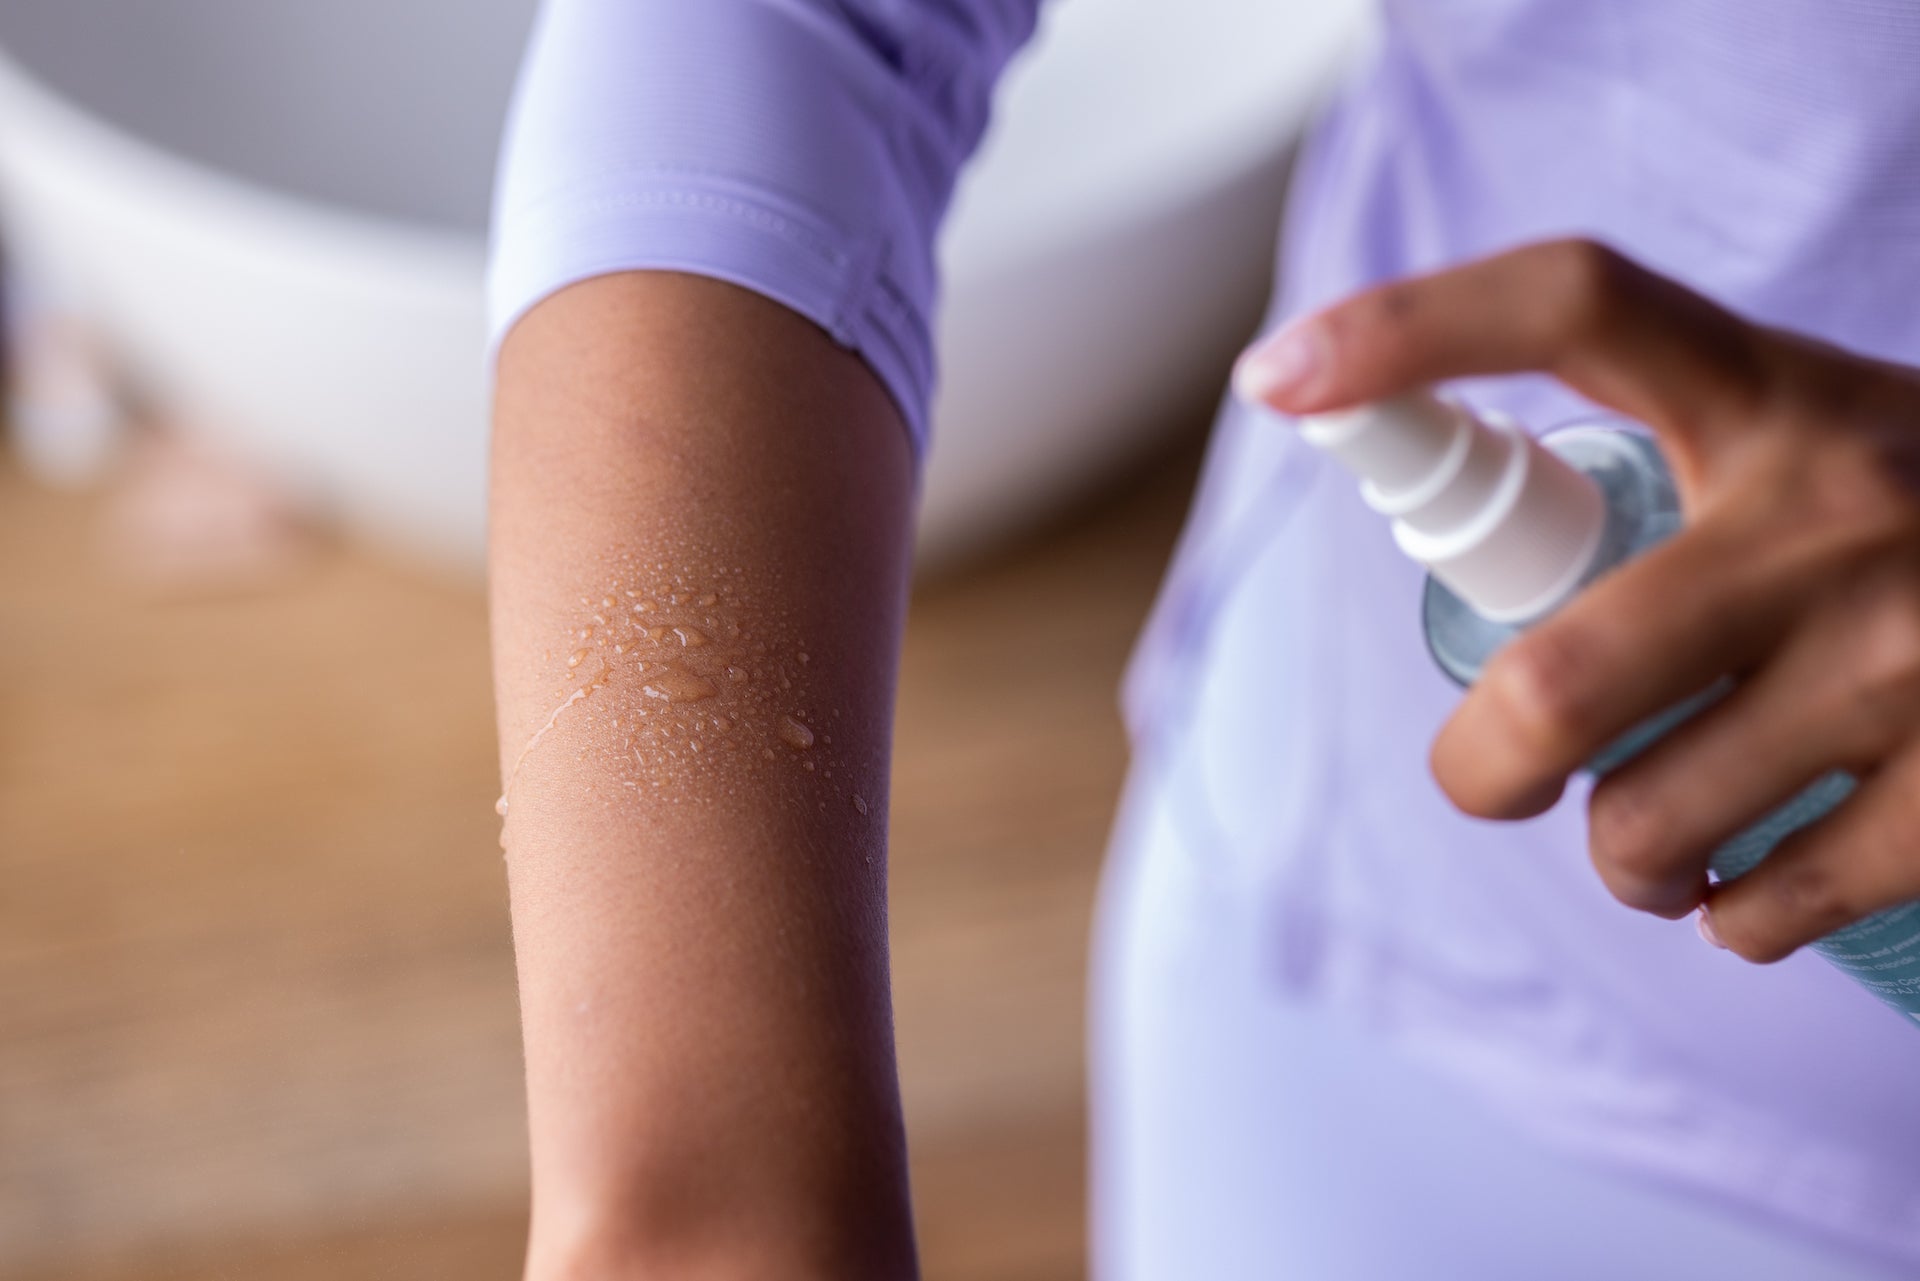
<point>273,213</point>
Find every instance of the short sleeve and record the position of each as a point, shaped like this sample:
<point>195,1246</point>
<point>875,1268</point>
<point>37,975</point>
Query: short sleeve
<point>805,149</point>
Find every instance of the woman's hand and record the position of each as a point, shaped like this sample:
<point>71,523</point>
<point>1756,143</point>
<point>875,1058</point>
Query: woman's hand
<point>1797,571</point>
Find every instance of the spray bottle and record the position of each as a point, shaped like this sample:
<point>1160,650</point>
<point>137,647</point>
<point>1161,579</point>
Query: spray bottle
<point>1510,527</point>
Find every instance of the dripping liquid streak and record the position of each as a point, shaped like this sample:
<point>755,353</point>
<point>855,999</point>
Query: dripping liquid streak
<point>500,806</point>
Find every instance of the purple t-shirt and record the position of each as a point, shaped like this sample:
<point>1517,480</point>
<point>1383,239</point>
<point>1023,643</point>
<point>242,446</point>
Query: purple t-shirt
<point>1766,152</point>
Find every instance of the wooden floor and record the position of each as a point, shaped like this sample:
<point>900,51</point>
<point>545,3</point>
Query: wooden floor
<point>256,1002</point>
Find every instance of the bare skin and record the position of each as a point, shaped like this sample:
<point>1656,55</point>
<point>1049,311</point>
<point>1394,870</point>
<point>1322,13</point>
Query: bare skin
<point>700,531</point>
<point>1798,573</point>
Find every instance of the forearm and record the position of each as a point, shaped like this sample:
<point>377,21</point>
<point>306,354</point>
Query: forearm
<point>700,522</point>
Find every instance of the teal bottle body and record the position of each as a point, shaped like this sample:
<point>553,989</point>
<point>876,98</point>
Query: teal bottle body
<point>1642,508</point>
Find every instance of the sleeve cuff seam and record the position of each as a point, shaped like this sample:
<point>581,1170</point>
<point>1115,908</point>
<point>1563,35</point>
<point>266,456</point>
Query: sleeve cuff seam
<point>841,282</point>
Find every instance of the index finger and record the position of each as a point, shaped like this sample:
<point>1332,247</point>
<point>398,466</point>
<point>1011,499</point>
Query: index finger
<point>1610,329</point>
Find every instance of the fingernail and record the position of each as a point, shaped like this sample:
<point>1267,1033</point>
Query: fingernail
<point>1283,367</point>
<point>1704,923</point>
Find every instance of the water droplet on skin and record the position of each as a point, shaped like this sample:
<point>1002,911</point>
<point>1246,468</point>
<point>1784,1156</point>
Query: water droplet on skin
<point>599,620</point>
<point>500,806</point>
<point>860,804</point>
<point>796,735</point>
<point>619,648</point>
<point>691,637</point>
<point>736,675</point>
<point>643,607</point>
<point>806,765</point>
<point>573,660</point>
<point>606,602</point>
<point>710,598</point>
<point>805,657</point>
<point>672,685</point>
<point>656,634</point>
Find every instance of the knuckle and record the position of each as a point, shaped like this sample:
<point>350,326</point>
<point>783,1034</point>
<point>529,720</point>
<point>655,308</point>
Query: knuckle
<point>1860,488</point>
<point>1385,321</point>
<point>1849,453</point>
<point>1538,685</point>
<point>1888,856</point>
<point>1590,281</point>
<point>1627,827</point>
<point>1805,901</point>
<point>1816,512</point>
<point>1835,485</point>
<point>1889,639</point>
<point>1869,650</point>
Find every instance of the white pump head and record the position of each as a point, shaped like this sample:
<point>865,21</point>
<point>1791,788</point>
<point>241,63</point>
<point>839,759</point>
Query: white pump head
<point>1504,522</point>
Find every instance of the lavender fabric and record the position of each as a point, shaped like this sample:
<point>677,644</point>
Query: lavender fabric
<point>803,148</point>
<point>1765,151</point>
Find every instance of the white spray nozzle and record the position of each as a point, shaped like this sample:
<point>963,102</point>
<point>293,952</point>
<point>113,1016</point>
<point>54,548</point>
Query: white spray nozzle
<point>1503,521</point>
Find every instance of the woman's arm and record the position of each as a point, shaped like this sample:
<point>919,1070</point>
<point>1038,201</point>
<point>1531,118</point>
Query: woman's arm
<point>700,532</point>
